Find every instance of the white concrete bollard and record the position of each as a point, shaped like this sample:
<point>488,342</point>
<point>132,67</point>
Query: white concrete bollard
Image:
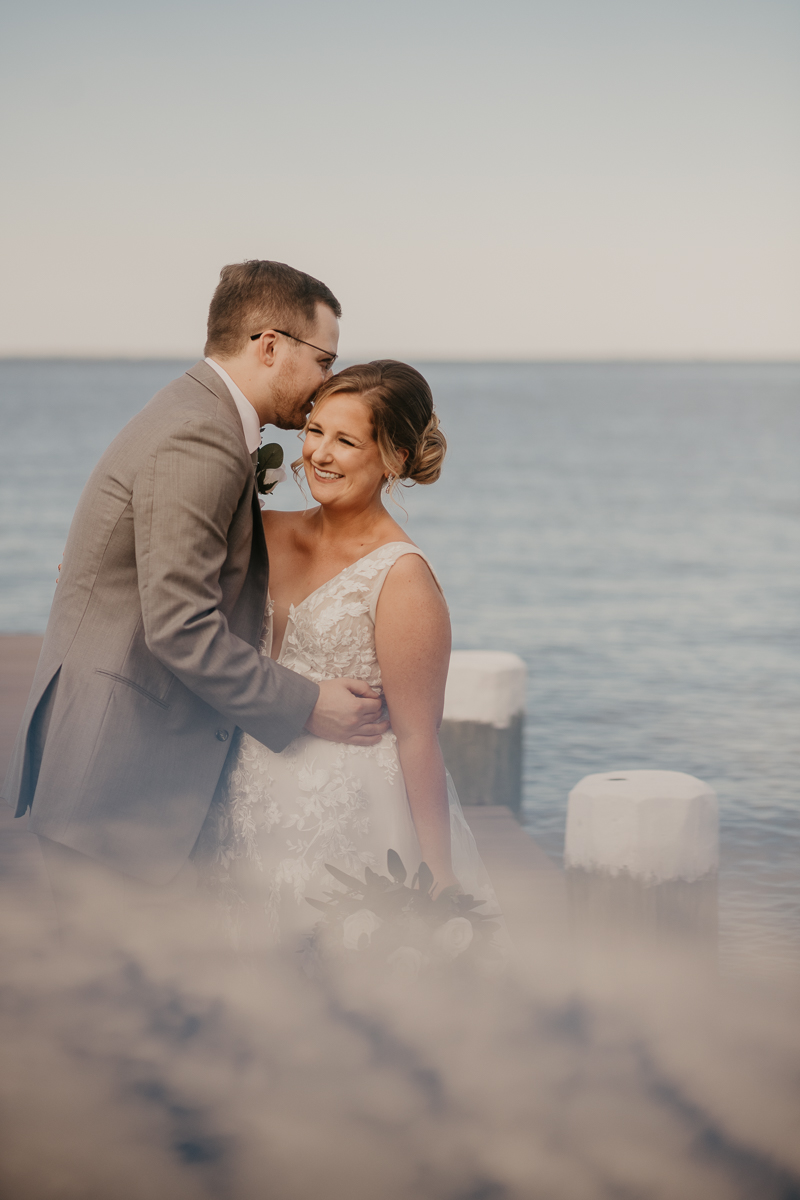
<point>642,849</point>
<point>654,825</point>
<point>481,734</point>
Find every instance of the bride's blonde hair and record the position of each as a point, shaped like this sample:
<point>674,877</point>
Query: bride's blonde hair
<point>404,423</point>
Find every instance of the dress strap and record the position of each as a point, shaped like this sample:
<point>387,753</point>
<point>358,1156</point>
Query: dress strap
<point>392,552</point>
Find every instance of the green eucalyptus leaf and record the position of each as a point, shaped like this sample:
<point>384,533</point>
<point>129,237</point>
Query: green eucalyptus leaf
<point>376,882</point>
<point>425,879</point>
<point>396,868</point>
<point>270,457</point>
<point>349,881</point>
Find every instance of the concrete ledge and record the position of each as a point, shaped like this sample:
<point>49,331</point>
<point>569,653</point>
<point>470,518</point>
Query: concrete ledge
<point>531,890</point>
<point>503,842</point>
<point>484,761</point>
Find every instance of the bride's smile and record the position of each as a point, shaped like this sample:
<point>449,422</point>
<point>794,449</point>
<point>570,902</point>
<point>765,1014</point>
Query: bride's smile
<point>326,474</point>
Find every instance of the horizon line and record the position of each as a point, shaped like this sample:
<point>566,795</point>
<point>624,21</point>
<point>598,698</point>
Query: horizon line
<point>454,360</point>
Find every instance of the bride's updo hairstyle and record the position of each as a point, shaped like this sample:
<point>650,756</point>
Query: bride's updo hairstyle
<point>401,407</point>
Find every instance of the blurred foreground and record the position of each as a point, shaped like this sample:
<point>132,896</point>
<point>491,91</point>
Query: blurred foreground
<point>143,1059</point>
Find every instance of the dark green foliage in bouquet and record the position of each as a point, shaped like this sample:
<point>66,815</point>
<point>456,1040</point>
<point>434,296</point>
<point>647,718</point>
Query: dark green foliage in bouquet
<point>401,924</point>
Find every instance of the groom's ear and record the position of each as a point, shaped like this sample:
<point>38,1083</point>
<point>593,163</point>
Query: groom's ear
<point>266,348</point>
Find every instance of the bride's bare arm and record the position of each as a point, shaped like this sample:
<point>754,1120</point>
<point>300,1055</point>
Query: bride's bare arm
<point>412,641</point>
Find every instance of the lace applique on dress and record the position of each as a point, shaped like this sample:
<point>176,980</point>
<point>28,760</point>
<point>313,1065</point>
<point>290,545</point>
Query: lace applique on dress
<point>265,641</point>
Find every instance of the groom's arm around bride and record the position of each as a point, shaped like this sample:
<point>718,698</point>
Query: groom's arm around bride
<point>150,660</point>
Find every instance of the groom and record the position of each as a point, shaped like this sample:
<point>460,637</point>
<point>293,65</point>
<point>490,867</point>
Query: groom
<point>150,660</point>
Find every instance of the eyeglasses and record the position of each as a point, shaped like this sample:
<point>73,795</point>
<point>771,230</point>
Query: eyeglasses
<point>331,357</point>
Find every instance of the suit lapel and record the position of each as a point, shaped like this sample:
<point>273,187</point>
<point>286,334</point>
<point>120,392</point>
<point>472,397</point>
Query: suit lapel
<point>202,373</point>
<point>258,568</point>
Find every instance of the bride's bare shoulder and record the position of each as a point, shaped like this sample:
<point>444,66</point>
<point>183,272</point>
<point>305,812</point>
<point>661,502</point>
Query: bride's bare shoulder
<point>411,613</point>
<point>411,578</point>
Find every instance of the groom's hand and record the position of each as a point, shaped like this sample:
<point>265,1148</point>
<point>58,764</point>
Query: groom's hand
<point>348,710</point>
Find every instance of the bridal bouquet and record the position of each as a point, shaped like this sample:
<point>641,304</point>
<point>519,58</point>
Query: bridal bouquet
<point>402,926</point>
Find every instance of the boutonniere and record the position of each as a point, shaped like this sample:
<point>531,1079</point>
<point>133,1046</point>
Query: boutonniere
<point>269,469</point>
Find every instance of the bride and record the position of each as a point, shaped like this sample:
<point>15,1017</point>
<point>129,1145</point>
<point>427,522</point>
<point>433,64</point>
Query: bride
<point>350,596</point>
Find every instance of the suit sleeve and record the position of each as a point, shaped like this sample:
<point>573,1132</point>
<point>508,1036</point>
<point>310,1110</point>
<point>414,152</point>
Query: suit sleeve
<point>183,504</point>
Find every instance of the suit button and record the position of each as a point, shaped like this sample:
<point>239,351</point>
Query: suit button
<point>221,735</point>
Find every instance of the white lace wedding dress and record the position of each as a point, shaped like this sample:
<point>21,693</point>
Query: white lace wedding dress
<point>277,819</point>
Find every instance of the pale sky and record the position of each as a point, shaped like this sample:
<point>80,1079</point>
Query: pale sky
<point>608,178</point>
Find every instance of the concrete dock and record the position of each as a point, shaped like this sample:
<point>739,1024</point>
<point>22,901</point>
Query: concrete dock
<point>528,885</point>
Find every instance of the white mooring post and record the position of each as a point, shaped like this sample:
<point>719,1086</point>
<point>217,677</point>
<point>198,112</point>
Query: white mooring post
<point>642,850</point>
<point>481,734</point>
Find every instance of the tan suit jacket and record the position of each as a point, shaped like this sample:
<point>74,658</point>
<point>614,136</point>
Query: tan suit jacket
<point>150,658</point>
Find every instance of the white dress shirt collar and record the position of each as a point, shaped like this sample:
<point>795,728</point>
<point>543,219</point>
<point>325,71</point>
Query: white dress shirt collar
<point>248,415</point>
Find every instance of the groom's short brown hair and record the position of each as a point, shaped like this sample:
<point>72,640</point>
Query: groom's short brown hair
<point>257,295</point>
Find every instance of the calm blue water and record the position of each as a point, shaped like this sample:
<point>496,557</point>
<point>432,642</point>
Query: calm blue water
<point>632,531</point>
